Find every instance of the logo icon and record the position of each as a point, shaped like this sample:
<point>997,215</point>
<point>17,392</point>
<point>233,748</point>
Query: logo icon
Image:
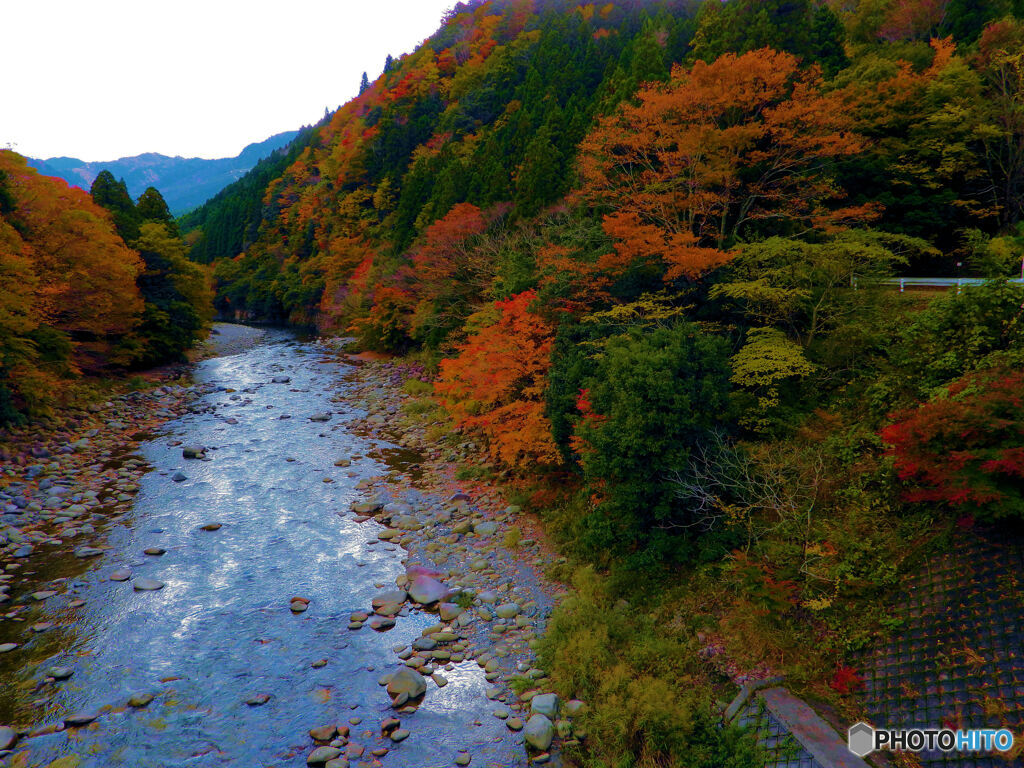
<point>861,739</point>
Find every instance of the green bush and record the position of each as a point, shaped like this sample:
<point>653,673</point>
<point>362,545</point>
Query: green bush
<point>654,396</point>
<point>980,327</point>
<point>645,705</point>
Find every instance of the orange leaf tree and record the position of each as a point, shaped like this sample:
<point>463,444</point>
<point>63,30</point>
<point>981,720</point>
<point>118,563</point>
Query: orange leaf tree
<point>86,273</point>
<point>496,384</point>
<point>696,162</point>
<point>449,272</point>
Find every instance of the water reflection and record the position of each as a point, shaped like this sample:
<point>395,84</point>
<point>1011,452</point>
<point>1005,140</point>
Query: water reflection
<point>221,631</point>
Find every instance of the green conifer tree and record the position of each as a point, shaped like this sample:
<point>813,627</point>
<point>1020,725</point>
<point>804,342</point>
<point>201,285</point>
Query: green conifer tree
<point>113,195</point>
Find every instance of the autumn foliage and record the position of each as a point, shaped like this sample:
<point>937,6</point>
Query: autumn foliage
<point>69,289</point>
<point>965,447</point>
<point>713,153</point>
<point>496,384</point>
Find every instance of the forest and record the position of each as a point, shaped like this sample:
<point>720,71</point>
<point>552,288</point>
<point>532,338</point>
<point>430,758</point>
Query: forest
<point>637,251</point>
<point>94,284</point>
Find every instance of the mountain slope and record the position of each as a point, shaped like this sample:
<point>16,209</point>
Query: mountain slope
<point>184,182</point>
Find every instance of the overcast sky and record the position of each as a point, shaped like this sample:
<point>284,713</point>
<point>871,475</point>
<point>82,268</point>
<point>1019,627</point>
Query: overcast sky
<point>103,79</point>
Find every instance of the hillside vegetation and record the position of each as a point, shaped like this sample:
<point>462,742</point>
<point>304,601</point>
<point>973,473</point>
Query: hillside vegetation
<point>623,239</point>
<point>92,284</point>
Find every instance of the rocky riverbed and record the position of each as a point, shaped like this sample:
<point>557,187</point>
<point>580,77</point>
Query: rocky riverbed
<point>301,591</point>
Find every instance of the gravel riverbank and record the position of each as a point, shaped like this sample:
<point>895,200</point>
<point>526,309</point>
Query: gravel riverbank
<point>474,560</point>
<point>466,608</point>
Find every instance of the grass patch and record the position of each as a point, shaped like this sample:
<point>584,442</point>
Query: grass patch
<point>650,704</point>
<point>417,387</point>
<point>419,407</point>
<point>474,472</point>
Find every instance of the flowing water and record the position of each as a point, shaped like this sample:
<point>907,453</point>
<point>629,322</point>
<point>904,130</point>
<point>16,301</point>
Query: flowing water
<point>221,632</point>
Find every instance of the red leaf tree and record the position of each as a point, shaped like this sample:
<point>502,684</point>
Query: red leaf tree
<point>496,384</point>
<point>965,448</point>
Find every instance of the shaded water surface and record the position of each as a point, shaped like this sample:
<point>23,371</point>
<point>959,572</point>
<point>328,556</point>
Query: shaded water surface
<point>221,631</point>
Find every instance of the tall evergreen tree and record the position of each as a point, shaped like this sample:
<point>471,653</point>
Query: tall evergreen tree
<point>828,36</point>
<point>649,54</point>
<point>541,176</point>
<point>113,195</point>
<point>364,84</point>
<point>152,207</point>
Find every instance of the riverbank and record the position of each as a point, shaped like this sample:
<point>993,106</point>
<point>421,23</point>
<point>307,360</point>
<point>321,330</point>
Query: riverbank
<point>92,668</point>
<point>465,538</point>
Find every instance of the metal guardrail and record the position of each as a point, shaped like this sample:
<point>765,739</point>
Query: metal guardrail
<point>933,282</point>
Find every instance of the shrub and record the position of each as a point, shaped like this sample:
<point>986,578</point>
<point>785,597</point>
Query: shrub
<point>976,329</point>
<point>965,447</point>
<point>654,396</point>
<point>646,705</point>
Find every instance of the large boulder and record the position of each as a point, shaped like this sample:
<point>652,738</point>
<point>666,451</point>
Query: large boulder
<point>426,590</point>
<point>488,528</point>
<point>539,732</point>
<point>7,737</point>
<point>545,704</point>
<point>407,681</point>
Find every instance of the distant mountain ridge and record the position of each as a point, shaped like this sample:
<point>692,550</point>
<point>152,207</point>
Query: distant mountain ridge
<point>184,182</point>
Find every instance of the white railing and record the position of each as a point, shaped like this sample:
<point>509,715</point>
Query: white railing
<point>933,282</point>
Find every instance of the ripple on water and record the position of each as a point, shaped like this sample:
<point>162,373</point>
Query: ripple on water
<point>220,631</point>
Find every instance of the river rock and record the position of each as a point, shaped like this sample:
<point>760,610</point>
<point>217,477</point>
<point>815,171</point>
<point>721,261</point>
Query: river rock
<point>140,700</point>
<point>147,585</point>
<point>121,574</point>
<point>320,417</point>
<point>450,611</point>
<point>388,598</point>
<point>539,732</point>
<point>426,590</point>
<point>7,737</point>
<point>488,528</point>
<point>323,733</point>
<point>321,755</point>
<point>407,681</point>
<point>178,477</point>
<point>79,719</point>
<point>210,527</point>
<point>507,610</point>
<point>7,647</point>
<point>193,452</point>
<point>574,707</point>
<point>84,552</point>
<point>60,673</point>
<point>400,734</point>
<point>154,551</point>
<point>281,379</point>
<point>545,704</point>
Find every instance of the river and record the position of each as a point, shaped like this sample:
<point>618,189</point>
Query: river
<point>220,633</point>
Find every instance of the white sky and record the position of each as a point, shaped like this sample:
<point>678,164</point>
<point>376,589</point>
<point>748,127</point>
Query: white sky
<point>103,79</point>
